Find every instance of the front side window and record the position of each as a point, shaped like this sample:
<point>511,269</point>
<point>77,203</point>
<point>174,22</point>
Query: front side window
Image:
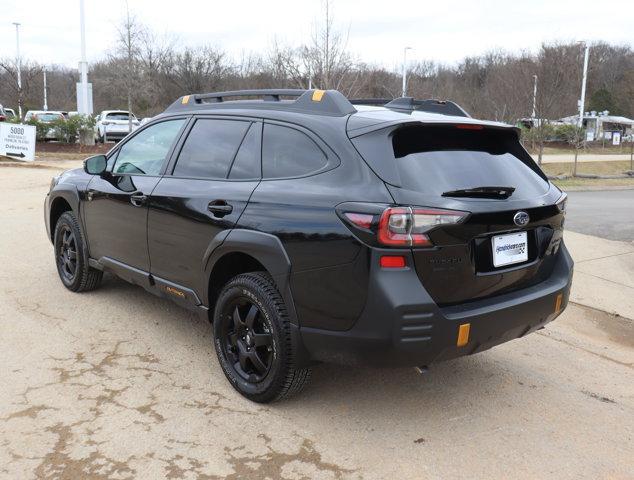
<point>210,148</point>
<point>145,153</point>
<point>287,152</point>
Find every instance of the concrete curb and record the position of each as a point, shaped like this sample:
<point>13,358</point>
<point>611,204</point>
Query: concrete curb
<point>626,174</point>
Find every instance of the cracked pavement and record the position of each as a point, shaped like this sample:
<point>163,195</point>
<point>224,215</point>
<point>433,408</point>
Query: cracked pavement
<point>118,384</point>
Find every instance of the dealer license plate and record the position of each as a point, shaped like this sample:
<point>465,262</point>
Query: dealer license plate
<point>509,249</point>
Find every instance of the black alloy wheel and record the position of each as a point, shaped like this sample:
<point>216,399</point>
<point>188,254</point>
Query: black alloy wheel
<point>247,339</point>
<point>67,254</point>
<point>71,257</point>
<point>252,335</point>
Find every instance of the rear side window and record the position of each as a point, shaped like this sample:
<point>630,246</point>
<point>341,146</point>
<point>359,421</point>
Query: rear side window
<point>247,164</point>
<point>210,148</point>
<point>287,152</point>
<point>437,159</point>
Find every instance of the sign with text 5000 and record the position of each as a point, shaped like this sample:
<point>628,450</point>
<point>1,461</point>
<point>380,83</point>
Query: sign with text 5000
<point>17,141</point>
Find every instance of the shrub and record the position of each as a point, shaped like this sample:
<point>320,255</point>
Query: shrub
<point>67,130</point>
<point>41,129</point>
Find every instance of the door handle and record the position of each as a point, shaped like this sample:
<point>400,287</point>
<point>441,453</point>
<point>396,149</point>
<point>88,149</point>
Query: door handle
<point>219,208</point>
<point>138,199</point>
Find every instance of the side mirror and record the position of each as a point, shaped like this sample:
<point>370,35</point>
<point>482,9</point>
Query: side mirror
<point>96,165</point>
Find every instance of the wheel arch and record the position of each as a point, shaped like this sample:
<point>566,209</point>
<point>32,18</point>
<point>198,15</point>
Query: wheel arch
<point>244,251</point>
<point>62,201</point>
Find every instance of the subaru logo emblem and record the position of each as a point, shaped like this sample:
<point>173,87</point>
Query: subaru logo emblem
<point>521,218</point>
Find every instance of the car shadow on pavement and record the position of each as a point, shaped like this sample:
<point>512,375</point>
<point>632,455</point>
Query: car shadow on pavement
<point>447,383</point>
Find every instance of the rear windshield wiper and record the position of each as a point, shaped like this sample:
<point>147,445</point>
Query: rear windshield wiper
<point>481,192</point>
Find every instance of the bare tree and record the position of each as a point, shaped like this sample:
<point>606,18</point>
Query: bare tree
<point>325,58</point>
<point>29,72</point>
<point>130,36</point>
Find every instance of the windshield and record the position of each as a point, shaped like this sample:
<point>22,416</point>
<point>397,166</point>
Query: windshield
<point>439,159</point>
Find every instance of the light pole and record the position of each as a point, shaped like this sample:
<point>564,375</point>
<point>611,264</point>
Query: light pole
<point>19,60</point>
<point>582,100</point>
<point>45,102</point>
<point>534,114</point>
<point>83,65</point>
<point>405,70</point>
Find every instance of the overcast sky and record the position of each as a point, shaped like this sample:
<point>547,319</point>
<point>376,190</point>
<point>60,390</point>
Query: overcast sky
<point>445,31</point>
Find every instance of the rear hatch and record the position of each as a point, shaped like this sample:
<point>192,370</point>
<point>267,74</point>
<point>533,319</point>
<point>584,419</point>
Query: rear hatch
<point>119,122</point>
<point>509,234</point>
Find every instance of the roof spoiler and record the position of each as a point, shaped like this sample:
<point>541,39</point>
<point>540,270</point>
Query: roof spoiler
<point>319,102</point>
<point>410,104</point>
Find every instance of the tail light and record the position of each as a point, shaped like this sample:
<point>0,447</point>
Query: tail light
<point>2,118</point>
<point>404,226</point>
<point>561,203</point>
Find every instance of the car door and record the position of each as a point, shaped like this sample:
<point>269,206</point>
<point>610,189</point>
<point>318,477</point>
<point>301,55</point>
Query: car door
<point>210,183</point>
<point>115,208</point>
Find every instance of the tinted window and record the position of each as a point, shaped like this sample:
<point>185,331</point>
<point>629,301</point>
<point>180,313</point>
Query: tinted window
<point>48,117</point>
<point>287,152</point>
<point>145,153</point>
<point>247,164</point>
<point>439,159</point>
<point>119,116</point>
<point>210,148</point>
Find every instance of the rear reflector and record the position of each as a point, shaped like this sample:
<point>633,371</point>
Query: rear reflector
<point>463,334</point>
<point>558,301</point>
<point>392,261</point>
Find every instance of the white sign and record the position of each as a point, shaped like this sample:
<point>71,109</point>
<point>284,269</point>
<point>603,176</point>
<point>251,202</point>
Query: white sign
<point>17,141</point>
<point>616,138</point>
<point>589,136</point>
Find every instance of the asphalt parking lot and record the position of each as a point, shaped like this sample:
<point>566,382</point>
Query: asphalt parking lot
<point>119,384</point>
<point>607,214</point>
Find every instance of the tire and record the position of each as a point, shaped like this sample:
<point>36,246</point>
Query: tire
<point>71,256</point>
<point>252,336</point>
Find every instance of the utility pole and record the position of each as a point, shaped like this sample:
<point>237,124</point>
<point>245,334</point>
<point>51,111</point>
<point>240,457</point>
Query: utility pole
<point>45,102</point>
<point>534,99</point>
<point>129,72</point>
<point>405,70</point>
<point>83,64</point>
<point>582,100</point>
<point>19,62</point>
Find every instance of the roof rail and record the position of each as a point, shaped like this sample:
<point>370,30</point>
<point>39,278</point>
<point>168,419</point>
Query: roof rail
<point>409,104</point>
<point>319,102</point>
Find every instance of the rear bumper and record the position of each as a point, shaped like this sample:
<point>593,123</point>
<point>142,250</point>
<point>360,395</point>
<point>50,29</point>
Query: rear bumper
<point>115,135</point>
<point>402,326</point>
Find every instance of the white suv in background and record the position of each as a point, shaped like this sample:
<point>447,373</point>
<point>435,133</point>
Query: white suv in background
<point>114,125</point>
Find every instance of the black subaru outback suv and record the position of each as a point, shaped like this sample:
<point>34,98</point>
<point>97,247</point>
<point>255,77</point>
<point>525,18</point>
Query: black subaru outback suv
<point>312,228</point>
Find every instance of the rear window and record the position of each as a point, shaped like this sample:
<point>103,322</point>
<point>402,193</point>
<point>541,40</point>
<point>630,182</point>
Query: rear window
<point>119,116</point>
<point>48,117</point>
<point>437,159</point>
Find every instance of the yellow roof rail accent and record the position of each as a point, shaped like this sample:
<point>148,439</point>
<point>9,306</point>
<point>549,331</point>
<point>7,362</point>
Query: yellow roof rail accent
<point>185,99</point>
<point>318,95</point>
